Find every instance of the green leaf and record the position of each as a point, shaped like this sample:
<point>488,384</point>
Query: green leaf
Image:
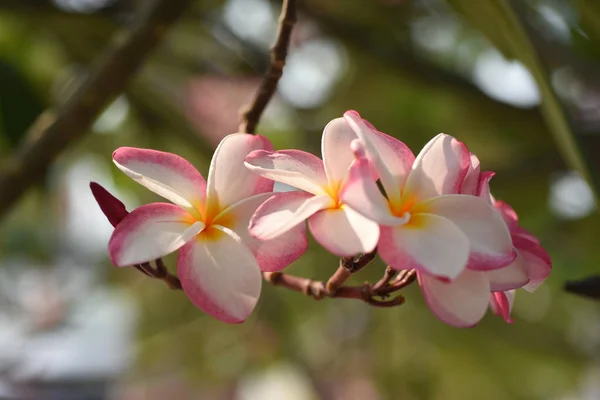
<point>498,22</point>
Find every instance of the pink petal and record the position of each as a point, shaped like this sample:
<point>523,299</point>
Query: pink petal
<point>166,174</point>
<point>335,147</point>
<point>228,180</point>
<point>284,211</point>
<point>508,214</point>
<point>344,232</point>
<point>483,188</point>
<point>439,169</point>
<point>469,185</point>
<point>272,255</point>
<point>390,157</point>
<point>362,194</point>
<point>112,207</point>
<point>296,168</point>
<point>428,243</point>
<point>501,304</point>
<point>536,260</point>
<point>462,302</point>
<point>513,276</point>
<point>150,232</point>
<point>489,238</point>
<point>220,276</point>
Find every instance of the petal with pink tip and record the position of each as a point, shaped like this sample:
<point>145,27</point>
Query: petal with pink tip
<point>362,194</point>
<point>335,147</point>
<point>379,145</point>
<point>489,238</point>
<point>462,302</point>
<point>150,232</point>
<point>508,214</point>
<point>228,180</point>
<point>537,262</point>
<point>166,174</point>
<point>272,255</point>
<point>513,276</point>
<point>343,231</point>
<point>469,185</point>
<point>428,243</point>
<point>483,188</point>
<point>501,304</point>
<point>439,169</point>
<point>296,168</point>
<point>284,211</point>
<point>220,276</point>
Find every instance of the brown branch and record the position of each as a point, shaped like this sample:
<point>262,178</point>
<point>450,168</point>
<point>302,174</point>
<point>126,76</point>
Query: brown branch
<point>52,132</point>
<point>279,51</point>
<point>367,292</point>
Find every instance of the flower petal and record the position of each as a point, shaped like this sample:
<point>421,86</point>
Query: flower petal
<point>469,185</point>
<point>344,232</point>
<point>390,157</point>
<point>166,174</point>
<point>537,262</point>
<point>491,244</point>
<point>296,168</point>
<point>150,232</point>
<point>462,302</point>
<point>335,147</point>
<point>439,169</point>
<point>220,276</point>
<point>284,211</point>
<point>501,304</point>
<point>113,208</point>
<point>513,276</point>
<point>483,188</point>
<point>362,194</point>
<point>272,255</point>
<point>228,180</point>
<point>428,243</point>
<point>508,214</point>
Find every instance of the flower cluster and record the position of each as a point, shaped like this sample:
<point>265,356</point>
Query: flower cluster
<point>432,213</point>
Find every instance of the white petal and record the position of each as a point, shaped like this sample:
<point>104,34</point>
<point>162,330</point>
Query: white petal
<point>471,181</point>
<point>344,232</point>
<point>489,238</point>
<point>150,232</point>
<point>229,181</point>
<point>272,255</point>
<point>284,211</point>
<point>335,147</point>
<point>220,275</point>
<point>513,276</point>
<point>462,302</point>
<point>439,169</point>
<point>427,243</point>
<point>296,168</point>
<point>166,174</point>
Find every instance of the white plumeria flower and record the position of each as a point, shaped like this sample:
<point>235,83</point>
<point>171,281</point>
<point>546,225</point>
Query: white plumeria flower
<point>426,224</point>
<point>219,263</point>
<point>335,225</point>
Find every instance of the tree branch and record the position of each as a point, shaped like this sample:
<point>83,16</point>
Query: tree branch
<point>52,132</point>
<point>279,52</point>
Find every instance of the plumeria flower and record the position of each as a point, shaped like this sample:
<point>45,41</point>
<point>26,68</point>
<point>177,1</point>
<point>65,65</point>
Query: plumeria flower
<point>218,263</point>
<point>335,225</point>
<point>501,304</point>
<point>427,224</point>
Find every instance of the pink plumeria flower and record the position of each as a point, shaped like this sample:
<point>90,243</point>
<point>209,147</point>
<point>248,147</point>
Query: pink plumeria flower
<point>219,263</point>
<point>425,223</point>
<point>335,225</point>
<point>501,304</point>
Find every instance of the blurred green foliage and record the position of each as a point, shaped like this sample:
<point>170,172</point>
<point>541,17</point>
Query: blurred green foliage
<point>396,77</point>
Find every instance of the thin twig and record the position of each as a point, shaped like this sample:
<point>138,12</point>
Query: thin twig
<point>53,132</point>
<point>279,51</point>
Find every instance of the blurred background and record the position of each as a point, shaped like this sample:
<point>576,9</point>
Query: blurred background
<point>74,327</point>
